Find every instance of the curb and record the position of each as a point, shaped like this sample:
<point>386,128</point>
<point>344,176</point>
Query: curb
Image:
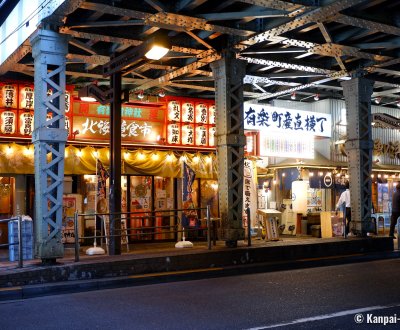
<point>38,290</point>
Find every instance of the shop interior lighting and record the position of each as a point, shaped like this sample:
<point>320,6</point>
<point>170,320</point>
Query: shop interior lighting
<point>27,151</point>
<point>9,150</point>
<point>293,96</point>
<point>140,95</point>
<point>126,155</point>
<point>96,154</point>
<point>161,93</point>
<point>169,157</point>
<point>398,103</point>
<point>79,153</point>
<point>141,156</point>
<point>311,173</point>
<point>378,100</point>
<point>316,97</point>
<point>154,156</point>
<point>88,99</point>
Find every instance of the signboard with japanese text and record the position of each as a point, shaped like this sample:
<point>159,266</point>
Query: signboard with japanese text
<point>269,118</point>
<point>249,191</point>
<point>138,124</point>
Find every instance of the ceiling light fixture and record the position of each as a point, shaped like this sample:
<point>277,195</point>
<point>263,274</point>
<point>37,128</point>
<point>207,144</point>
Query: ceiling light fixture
<point>157,46</point>
<point>156,52</point>
<point>378,100</point>
<point>398,103</point>
<point>293,96</point>
<point>140,95</point>
<point>316,97</point>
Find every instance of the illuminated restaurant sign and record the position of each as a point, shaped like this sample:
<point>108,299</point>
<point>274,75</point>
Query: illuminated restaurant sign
<point>138,124</point>
<point>268,118</point>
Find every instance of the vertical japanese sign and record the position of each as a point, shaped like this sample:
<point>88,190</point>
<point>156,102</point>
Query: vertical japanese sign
<point>249,191</point>
<point>189,217</point>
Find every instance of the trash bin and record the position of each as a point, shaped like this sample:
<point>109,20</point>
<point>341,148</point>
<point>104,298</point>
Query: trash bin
<point>316,231</point>
<point>27,239</point>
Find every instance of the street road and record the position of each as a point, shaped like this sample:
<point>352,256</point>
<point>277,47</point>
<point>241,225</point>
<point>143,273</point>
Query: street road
<point>332,297</point>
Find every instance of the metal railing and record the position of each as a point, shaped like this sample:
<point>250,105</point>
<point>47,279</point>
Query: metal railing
<point>20,244</point>
<point>142,231</point>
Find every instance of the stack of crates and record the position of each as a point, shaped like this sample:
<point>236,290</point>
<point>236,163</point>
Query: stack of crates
<point>27,239</point>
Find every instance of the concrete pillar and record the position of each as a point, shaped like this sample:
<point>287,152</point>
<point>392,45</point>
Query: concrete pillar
<point>359,147</point>
<point>49,137</point>
<point>228,74</point>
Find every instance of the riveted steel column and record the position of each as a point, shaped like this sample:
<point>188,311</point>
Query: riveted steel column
<point>49,136</point>
<point>228,74</point>
<point>359,146</point>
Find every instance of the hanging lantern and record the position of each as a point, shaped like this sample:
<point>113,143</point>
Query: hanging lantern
<point>211,136</point>
<point>201,136</point>
<point>188,134</point>
<point>211,114</point>
<point>174,134</point>
<point>188,112</point>
<point>201,113</point>
<point>67,124</point>
<point>8,122</point>
<point>174,111</point>
<point>26,123</point>
<point>27,98</point>
<point>9,96</point>
<point>67,101</point>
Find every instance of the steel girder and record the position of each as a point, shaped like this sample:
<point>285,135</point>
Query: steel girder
<point>359,146</point>
<point>49,137</point>
<point>229,73</point>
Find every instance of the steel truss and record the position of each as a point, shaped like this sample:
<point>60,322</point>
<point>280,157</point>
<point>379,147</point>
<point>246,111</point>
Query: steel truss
<point>359,146</point>
<point>49,137</point>
<point>229,73</point>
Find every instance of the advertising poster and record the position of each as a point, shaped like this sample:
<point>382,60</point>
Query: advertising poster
<point>71,203</point>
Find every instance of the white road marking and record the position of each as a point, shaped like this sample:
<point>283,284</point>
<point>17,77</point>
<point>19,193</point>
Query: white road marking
<point>325,316</point>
